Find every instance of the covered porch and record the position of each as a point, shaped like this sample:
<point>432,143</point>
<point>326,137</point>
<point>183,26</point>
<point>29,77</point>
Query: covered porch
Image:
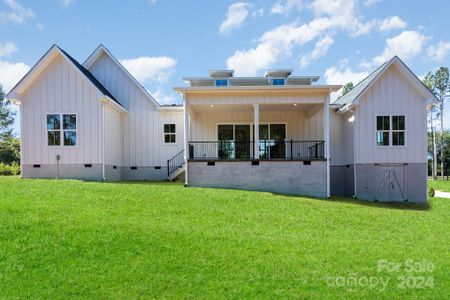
<point>257,132</point>
<point>270,141</point>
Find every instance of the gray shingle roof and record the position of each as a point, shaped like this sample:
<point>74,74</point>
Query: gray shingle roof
<point>360,87</point>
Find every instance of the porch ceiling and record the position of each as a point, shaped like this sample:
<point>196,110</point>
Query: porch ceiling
<point>249,108</point>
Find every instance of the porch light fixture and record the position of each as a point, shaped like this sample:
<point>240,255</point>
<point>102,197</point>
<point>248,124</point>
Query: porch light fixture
<point>295,104</point>
<point>212,105</point>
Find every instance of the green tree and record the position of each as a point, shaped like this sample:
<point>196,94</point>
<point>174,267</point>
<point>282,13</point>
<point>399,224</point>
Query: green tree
<point>6,115</point>
<point>9,145</point>
<point>347,88</point>
<point>431,115</point>
<point>442,85</point>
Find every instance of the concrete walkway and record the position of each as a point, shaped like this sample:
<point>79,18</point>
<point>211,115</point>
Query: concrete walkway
<point>440,194</point>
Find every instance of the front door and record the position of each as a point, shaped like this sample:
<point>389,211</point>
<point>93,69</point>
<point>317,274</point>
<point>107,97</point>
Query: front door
<point>242,141</point>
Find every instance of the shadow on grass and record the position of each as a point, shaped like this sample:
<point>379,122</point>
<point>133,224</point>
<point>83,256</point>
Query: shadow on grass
<point>374,204</point>
<point>333,199</point>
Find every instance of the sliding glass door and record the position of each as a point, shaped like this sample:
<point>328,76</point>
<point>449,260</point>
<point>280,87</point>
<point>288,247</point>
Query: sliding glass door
<point>272,140</point>
<point>235,141</point>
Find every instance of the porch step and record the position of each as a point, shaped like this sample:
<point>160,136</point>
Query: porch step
<point>175,176</point>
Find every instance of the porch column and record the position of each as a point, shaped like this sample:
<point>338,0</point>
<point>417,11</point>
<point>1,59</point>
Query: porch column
<point>186,138</point>
<point>326,138</point>
<point>256,133</point>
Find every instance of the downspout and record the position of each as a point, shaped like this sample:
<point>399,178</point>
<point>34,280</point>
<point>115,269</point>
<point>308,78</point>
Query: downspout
<point>21,136</point>
<point>327,141</point>
<point>354,153</point>
<point>186,139</point>
<point>104,101</point>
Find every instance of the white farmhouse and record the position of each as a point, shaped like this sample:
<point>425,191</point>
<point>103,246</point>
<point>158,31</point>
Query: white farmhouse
<point>276,133</point>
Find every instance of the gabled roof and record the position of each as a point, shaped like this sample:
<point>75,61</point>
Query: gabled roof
<point>367,82</point>
<point>102,49</point>
<point>45,60</point>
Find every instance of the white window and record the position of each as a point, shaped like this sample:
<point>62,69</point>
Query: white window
<point>398,130</point>
<point>61,129</point>
<point>383,127</point>
<point>169,133</point>
<point>391,130</point>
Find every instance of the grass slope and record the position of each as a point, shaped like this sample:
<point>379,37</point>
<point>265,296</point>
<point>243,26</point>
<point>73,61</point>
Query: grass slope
<point>72,239</point>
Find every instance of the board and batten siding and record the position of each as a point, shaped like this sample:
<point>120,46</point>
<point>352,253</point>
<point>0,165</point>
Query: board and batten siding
<point>143,143</point>
<point>245,97</point>
<point>298,126</point>
<point>391,94</point>
<point>341,138</point>
<point>113,136</point>
<point>61,89</point>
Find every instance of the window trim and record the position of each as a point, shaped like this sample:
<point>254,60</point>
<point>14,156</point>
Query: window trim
<point>169,133</point>
<point>391,131</point>
<point>61,130</point>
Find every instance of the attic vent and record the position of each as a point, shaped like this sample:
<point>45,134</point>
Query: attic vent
<point>36,166</point>
<point>88,165</point>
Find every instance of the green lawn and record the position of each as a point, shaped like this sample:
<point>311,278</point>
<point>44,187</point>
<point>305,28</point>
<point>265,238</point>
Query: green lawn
<point>72,239</point>
<point>441,185</point>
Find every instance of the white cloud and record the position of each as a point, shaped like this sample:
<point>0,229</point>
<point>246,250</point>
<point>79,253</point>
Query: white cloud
<point>40,26</point>
<point>342,74</point>
<point>284,7</point>
<point>439,51</point>
<point>320,50</point>
<point>66,2</point>
<point>145,68</point>
<point>371,2</point>
<point>391,23</point>
<point>17,14</point>
<point>11,73</point>
<point>7,49</point>
<point>152,2</point>
<point>162,98</point>
<point>278,43</point>
<point>406,45</point>
<point>236,15</point>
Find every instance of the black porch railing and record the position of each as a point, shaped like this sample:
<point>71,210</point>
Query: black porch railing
<point>175,162</point>
<point>268,150</point>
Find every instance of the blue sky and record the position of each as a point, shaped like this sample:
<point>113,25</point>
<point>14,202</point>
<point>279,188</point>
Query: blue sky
<point>161,41</point>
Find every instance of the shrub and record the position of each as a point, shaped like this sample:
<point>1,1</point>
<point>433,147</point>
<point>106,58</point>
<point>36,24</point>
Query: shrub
<point>9,170</point>
<point>430,192</point>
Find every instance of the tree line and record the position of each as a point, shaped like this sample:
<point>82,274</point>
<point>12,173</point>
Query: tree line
<point>9,143</point>
<point>438,82</point>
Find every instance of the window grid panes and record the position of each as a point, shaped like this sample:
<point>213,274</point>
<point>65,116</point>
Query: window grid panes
<point>66,134</point>
<point>391,130</point>
<point>398,130</point>
<point>169,133</point>
<point>221,82</point>
<point>383,126</point>
<point>278,81</point>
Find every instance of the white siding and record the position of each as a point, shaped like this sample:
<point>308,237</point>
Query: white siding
<point>391,94</point>
<point>61,89</point>
<point>113,137</point>
<point>143,124</point>
<point>341,139</point>
<point>298,126</point>
<point>245,97</point>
